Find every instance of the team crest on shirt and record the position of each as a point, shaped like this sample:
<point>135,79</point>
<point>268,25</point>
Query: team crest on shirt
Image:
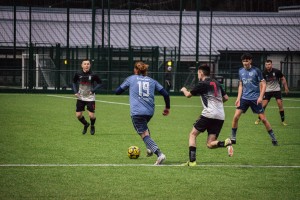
<point>273,73</point>
<point>90,78</point>
<point>250,73</point>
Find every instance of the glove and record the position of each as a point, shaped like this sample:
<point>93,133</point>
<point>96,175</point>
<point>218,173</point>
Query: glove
<point>166,111</point>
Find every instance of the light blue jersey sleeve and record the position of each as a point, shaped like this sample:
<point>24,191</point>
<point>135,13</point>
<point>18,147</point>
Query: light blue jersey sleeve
<point>141,94</point>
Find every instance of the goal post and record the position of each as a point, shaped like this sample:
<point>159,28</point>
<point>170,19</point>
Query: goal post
<point>45,72</point>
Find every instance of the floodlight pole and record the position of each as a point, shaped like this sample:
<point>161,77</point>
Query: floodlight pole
<point>15,32</point>
<point>93,29</point>
<point>68,38</point>
<point>30,23</point>
<point>180,30</point>
<point>129,37</point>
<point>197,31</point>
<point>102,30</point>
<point>210,36</point>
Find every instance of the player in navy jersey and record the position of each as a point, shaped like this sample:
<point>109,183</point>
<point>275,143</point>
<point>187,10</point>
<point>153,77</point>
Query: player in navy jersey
<point>273,77</point>
<point>212,116</point>
<point>141,97</point>
<point>85,84</point>
<point>251,90</point>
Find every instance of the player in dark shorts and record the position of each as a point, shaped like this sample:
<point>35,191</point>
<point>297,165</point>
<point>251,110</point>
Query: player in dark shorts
<point>142,105</point>
<point>273,78</point>
<point>83,87</point>
<point>212,116</point>
<point>250,94</point>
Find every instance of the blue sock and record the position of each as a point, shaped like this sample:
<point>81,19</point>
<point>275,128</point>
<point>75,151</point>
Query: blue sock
<point>150,144</point>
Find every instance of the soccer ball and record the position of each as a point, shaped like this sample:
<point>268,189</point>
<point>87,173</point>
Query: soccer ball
<point>133,152</point>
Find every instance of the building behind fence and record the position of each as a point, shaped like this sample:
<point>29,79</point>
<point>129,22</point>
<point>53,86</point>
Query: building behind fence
<point>42,48</point>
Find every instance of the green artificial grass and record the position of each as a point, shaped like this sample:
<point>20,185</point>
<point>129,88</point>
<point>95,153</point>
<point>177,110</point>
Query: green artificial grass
<point>45,156</point>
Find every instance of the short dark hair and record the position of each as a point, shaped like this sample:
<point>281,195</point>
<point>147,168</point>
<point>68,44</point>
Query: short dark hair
<point>205,68</point>
<point>246,56</point>
<point>268,61</point>
<point>85,59</point>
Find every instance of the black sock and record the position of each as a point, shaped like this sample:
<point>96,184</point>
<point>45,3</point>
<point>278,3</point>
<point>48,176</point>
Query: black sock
<point>233,133</point>
<point>282,115</point>
<point>220,144</point>
<point>192,153</point>
<point>93,121</point>
<point>82,120</point>
<point>272,135</point>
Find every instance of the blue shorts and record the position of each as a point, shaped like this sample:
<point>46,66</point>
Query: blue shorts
<point>213,126</point>
<point>140,123</point>
<point>245,104</point>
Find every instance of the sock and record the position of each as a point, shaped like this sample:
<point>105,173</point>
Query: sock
<point>93,121</point>
<point>150,144</point>
<point>233,133</point>
<point>192,153</point>
<point>282,115</point>
<point>82,120</point>
<point>221,144</point>
<point>272,135</point>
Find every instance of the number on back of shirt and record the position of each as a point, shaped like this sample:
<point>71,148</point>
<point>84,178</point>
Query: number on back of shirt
<point>143,88</point>
<point>215,88</point>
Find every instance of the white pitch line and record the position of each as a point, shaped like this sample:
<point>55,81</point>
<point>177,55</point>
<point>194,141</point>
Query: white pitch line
<point>183,106</point>
<point>109,102</point>
<point>146,165</point>
<point>291,99</point>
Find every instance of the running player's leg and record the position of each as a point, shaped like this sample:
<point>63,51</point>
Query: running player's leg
<point>279,102</point>
<point>91,106</point>
<point>213,131</point>
<point>265,102</point>
<point>79,114</point>
<point>235,122</point>
<point>257,108</point>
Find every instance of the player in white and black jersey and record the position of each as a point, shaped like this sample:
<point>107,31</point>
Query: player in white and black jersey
<point>212,116</point>
<point>85,84</point>
<point>273,78</point>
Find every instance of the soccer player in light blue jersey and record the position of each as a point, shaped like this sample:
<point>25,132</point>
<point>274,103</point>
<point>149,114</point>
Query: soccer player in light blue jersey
<point>141,97</point>
<point>251,91</point>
